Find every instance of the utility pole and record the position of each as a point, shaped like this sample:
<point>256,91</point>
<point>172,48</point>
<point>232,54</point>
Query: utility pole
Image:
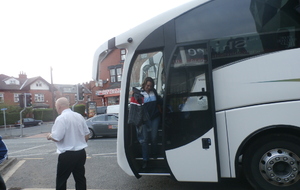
<point>77,97</point>
<point>52,92</point>
<point>21,120</point>
<point>4,118</point>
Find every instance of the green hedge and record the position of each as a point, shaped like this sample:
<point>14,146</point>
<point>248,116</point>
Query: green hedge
<point>10,118</point>
<point>80,109</point>
<point>13,115</point>
<point>45,114</point>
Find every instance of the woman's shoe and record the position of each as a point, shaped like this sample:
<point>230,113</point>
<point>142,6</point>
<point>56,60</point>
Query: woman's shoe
<point>145,162</point>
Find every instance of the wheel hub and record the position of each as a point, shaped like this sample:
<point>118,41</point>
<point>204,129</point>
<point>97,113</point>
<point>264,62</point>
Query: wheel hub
<point>280,167</point>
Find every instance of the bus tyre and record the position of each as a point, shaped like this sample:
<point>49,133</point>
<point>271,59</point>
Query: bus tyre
<point>92,134</point>
<point>272,162</point>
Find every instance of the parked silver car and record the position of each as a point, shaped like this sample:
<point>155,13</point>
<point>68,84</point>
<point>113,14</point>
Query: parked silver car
<point>103,125</point>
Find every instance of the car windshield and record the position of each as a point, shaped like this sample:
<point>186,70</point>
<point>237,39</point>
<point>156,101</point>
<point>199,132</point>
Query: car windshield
<point>112,118</point>
<point>99,118</point>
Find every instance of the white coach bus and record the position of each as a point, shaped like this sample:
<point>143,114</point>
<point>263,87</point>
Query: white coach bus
<point>237,65</point>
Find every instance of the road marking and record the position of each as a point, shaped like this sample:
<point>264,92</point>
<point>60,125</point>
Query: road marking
<point>23,150</point>
<point>43,135</point>
<point>54,189</point>
<point>13,170</point>
<point>105,154</point>
<point>33,158</point>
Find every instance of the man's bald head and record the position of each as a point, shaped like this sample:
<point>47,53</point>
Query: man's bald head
<point>62,104</point>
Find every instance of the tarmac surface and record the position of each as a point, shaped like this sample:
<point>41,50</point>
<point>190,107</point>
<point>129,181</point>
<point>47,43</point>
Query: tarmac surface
<point>10,131</point>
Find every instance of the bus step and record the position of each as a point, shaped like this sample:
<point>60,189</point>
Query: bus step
<point>155,167</point>
<point>160,174</point>
<point>154,164</point>
<point>158,158</point>
<point>155,171</point>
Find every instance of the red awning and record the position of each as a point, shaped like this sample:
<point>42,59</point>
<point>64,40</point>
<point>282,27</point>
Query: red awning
<point>111,95</point>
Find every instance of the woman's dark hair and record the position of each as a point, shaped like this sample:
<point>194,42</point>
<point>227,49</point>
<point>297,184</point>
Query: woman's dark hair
<point>148,79</point>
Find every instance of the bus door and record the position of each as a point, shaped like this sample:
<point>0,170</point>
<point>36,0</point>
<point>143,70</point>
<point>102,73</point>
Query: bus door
<point>189,120</point>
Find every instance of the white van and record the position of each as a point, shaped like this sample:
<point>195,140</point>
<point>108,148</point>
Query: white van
<point>113,109</point>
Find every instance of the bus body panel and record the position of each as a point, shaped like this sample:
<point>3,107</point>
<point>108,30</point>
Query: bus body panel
<point>282,83</point>
<point>225,169</point>
<point>235,125</point>
<point>203,160</point>
<point>249,77</point>
<point>244,121</point>
<point>121,154</point>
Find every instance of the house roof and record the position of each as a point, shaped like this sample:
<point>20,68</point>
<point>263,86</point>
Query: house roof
<point>24,83</point>
<point>62,87</point>
<point>29,81</point>
<point>4,86</point>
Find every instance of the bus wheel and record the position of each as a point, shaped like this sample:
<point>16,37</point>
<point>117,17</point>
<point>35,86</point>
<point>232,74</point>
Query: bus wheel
<point>272,162</point>
<point>92,134</point>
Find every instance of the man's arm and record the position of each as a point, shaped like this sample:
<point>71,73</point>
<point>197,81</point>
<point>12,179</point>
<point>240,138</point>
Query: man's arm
<point>49,137</point>
<point>87,137</point>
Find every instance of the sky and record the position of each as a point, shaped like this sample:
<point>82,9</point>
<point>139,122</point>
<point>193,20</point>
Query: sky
<point>37,35</point>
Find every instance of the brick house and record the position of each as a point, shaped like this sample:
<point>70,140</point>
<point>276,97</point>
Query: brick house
<point>106,90</point>
<point>12,87</point>
<point>40,90</point>
<point>70,92</point>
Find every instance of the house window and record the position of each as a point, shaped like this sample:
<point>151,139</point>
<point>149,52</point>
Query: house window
<point>119,74</point>
<point>123,54</point>
<point>1,98</point>
<point>68,97</point>
<point>39,97</point>
<point>38,83</point>
<point>115,74</point>
<point>16,97</point>
<point>67,89</point>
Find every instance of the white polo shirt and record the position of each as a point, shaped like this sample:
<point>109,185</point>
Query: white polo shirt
<point>69,130</point>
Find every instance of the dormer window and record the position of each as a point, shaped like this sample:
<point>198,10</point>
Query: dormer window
<point>67,89</point>
<point>38,84</point>
<point>12,81</point>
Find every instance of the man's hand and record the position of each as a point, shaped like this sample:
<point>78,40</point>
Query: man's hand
<point>49,136</point>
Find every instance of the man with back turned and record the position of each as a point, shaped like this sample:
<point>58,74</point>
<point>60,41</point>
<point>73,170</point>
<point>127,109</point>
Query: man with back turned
<point>70,133</point>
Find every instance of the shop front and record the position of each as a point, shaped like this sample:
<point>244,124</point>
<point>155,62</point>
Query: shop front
<point>109,96</point>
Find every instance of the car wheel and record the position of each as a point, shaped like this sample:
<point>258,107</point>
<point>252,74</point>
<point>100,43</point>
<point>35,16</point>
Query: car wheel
<point>273,162</point>
<point>92,134</point>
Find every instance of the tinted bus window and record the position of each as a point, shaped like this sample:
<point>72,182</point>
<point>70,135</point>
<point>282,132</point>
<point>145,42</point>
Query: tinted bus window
<point>205,22</point>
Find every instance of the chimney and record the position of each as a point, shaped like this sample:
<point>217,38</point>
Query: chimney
<point>22,75</point>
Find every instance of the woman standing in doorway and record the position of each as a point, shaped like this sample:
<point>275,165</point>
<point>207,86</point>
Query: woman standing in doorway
<point>151,106</point>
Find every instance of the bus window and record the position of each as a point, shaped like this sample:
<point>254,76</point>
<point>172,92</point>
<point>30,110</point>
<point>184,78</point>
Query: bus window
<point>187,96</point>
<point>147,65</point>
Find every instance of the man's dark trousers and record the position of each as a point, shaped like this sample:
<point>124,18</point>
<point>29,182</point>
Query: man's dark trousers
<point>71,162</point>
